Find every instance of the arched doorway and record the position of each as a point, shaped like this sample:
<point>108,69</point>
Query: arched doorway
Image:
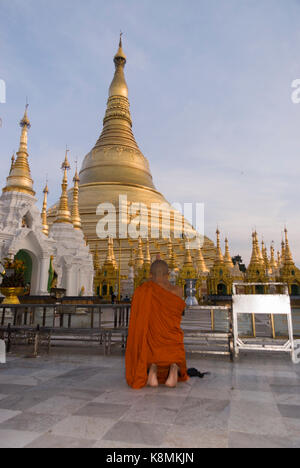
<point>222,290</point>
<point>259,289</point>
<point>295,290</point>
<point>24,257</point>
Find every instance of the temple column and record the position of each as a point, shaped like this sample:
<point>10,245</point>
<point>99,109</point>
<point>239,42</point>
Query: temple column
<point>44,276</point>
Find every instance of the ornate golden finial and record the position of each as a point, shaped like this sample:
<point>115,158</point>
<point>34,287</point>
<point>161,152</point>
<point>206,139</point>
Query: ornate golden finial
<point>278,258</point>
<point>63,214</point>
<point>147,260</point>
<point>45,229</point>
<point>200,262</point>
<point>282,252</point>
<point>288,258</point>
<point>119,86</point>
<point>109,255</point>
<point>254,257</point>
<point>265,255</point>
<point>219,259</point>
<point>19,179</point>
<point>131,261</point>
<point>227,258</point>
<point>273,263</point>
<point>171,256</point>
<point>139,262</point>
<point>188,262</point>
<point>96,259</point>
<point>76,219</point>
<point>258,251</point>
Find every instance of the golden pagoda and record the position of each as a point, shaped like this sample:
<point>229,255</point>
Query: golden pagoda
<point>187,271</point>
<point>256,271</point>
<point>106,278</point>
<point>76,220</point>
<point>19,179</point>
<point>289,273</point>
<point>116,166</point>
<point>63,214</point>
<point>227,257</point>
<point>219,280</point>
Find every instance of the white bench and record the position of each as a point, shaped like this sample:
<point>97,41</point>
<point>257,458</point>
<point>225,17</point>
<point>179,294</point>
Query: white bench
<point>262,304</point>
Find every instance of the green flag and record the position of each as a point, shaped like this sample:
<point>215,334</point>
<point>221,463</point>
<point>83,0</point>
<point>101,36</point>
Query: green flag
<point>51,275</point>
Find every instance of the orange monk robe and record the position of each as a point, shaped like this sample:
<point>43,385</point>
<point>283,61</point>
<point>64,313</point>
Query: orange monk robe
<point>155,336</point>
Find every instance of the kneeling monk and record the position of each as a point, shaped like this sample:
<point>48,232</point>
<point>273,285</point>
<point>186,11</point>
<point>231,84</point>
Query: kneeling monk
<point>155,349</point>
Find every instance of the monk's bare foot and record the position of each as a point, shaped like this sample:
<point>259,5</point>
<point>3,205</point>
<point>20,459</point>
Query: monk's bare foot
<point>173,376</point>
<point>152,379</point>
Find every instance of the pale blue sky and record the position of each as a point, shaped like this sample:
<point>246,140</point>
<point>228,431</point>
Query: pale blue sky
<point>210,92</point>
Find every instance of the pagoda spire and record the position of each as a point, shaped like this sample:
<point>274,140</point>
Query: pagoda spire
<point>282,252</point>
<point>273,263</point>
<point>147,260</point>
<point>288,258</point>
<point>131,261</point>
<point>109,256</point>
<point>63,213</point>
<point>227,258</point>
<point>219,259</point>
<point>200,262</point>
<point>265,255</point>
<point>255,260</point>
<point>45,229</point>
<point>140,254</point>
<point>117,123</point>
<point>171,256</point>
<point>96,259</point>
<point>19,179</point>
<point>188,262</point>
<point>76,219</point>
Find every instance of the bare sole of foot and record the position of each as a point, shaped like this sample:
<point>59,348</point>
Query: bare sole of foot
<point>152,378</point>
<point>173,376</point>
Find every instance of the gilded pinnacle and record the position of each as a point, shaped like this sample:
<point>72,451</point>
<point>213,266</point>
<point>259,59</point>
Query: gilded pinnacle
<point>45,225</point>
<point>76,219</point>
<point>19,179</point>
<point>63,214</point>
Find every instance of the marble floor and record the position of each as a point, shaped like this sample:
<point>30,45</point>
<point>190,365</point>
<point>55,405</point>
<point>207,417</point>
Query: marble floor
<point>77,398</point>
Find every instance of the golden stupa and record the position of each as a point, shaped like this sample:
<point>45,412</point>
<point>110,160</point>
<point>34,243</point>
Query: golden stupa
<point>114,167</point>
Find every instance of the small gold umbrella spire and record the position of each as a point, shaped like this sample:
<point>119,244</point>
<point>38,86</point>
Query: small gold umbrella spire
<point>219,259</point>
<point>147,260</point>
<point>131,261</point>
<point>139,261</point>
<point>19,179</point>
<point>200,262</point>
<point>45,229</point>
<point>265,255</point>
<point>96,259</point>
<point>227,258</point>
<point>273,263</point>
<point>76,219</point>
<point>63,214</point>
<point>288,259</point>
<point>188,257</point>
<point>279,258</point>
<point>282,252</point>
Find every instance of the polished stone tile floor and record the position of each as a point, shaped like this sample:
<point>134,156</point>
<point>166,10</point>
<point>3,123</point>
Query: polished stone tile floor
<point>77,398</point>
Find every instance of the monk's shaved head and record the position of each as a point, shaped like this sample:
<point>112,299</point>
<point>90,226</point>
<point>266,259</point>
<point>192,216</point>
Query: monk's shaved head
<point>159,269</point>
